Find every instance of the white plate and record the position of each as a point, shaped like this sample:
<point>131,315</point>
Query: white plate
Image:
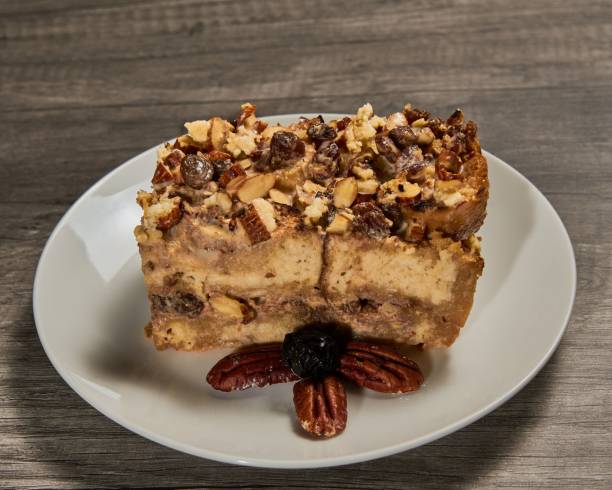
<point>90,307</point>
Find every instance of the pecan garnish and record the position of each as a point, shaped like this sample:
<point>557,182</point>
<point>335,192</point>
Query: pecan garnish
<point>379,368</point>
<point>320,356</point>
<point>320,405</point>
<point>259,366</point>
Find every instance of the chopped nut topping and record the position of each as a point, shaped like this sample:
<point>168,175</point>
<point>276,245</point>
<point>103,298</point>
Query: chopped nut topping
<point>220,199</point>
<point>340,224</point>
<point>198,131</point>
<point>280,197</point>
<point>242,142</point>
<point>315,211</point>
<point>233,185</point>
<point>345,192</point>
<point>255,186</point>
<point>163,214</point>
<point>254,225</point>
<point>219,130</point>
<point>231,173</point>
<point>369,186</point>
<point>385,170</point>
<point>398,190</point>
<point>247,110</point>
<point>266,213</point>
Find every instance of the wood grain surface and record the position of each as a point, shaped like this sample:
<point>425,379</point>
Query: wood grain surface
<point>84,85</point>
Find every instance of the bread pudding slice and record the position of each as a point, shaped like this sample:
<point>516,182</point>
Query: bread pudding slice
<point>252,230</point>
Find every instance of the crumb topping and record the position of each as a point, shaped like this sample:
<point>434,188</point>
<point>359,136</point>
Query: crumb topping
<point>379,176</point>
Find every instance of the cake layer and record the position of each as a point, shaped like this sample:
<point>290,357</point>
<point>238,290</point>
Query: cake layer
<point>414,294</point>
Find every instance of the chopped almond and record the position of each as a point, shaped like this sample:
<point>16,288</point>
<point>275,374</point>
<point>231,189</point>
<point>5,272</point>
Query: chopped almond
<point>256,186</point>
<point>345,192</point>
<point>280,197</point>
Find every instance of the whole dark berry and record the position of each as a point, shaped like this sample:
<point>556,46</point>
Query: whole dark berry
<point>321,132</point>
<point>285,147</point>
<point>197,171</point>
<point>370,220</point>
<point>312,351</point>
<point>325,162</point>
<point>403,136</point>
<point>181,303</point>
<point>386,148</point>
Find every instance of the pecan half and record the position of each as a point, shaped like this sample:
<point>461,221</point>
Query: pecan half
<point>320,405</point>
<point>379,368</point>
<point>260,366</point>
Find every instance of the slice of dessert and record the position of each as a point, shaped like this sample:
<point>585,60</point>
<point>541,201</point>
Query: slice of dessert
<point>253,230</point>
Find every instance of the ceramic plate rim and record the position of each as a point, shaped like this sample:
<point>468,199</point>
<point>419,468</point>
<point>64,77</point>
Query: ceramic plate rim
<point>310,463</point>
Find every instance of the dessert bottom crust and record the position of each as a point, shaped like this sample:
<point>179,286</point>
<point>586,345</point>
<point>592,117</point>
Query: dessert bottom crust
<point>418,323</point>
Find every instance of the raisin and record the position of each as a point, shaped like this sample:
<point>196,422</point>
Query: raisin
<point>403,136</point>
<point>415,114</point>
<point>437,126</point>
<point>325,163</point>
<point>386,148</point>
<point>197,171</point>
<point>420,206</point>
<point>261,157</point>
<point>393,212</point>
<point>412,161</point>
<point>220,161</point>
<point>312,351</point>
<point>182,303</point>
<point>285,147</point>
<point>370,220</point>
<point>456,118</point>
<point>321,132</point>
<point>343,123</point>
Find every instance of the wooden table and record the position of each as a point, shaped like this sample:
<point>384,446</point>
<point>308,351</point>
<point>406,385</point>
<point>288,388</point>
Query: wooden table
<point>86,85</point>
